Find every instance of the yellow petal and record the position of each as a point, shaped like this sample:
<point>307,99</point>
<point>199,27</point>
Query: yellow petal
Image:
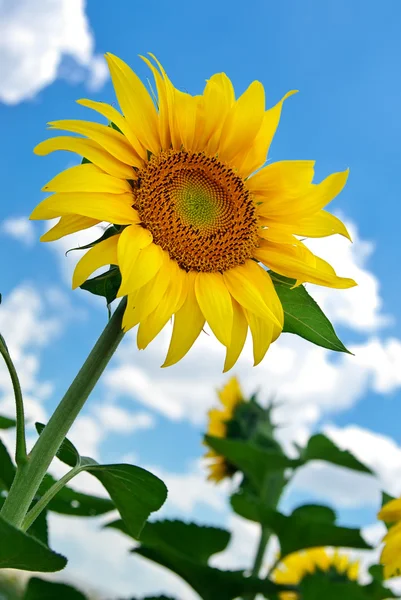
<point>188,324</point>
<point>90,150</point>
<point>66,225</point>
<point>186,112</point>
<point>262,334</point>
<point>215,303</point>
<point>282,181</point>
<point>132,241</point>
<point>171,302</point>
<point>230,396</point>
<point>245,288</point>
<point>238,336</point>
<point>218,98</point>
<point>320,224</point>
<point>87,178</point>
<point>242,123</point>
<point>104,253</point>
<point>163,115</point>
<point>170,94</point>
<point>391,512</point>
<point>117,118</point>
<point>135,103</point>
<point>297,262</point>
<point>257,154</point>
<point>105,207</point>
<point>149,296</point>
<point>107,137</point>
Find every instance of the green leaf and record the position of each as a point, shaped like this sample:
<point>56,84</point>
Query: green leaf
<point>6,423</point>
<point>253,461</point>
<point>159,543</point>
<point>67,452</point>
<point>197,542</point>
<point>40,589</point>
<point>303,316</point>
<point>107,284</point>
<point>307,527</point>
<point>70,502</point>
<point>323,585</point>
<point>19,550</point>
<point>7,468</point>
<point>320,447</point>
<point>39,529</point>
<point>135,492</point>
<point>109,232</point>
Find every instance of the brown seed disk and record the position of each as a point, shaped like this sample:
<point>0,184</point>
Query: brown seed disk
<point>198,210</point>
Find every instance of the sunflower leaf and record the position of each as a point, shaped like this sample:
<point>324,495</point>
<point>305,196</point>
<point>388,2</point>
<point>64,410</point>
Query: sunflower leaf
<point>107,284</point>
<point>320,585</point>
<point>320,447</point>
<point>18,550</point>
<point>7,423</point>
<point>303,316</point>
<point>67,452</point>
<point>40,589</point>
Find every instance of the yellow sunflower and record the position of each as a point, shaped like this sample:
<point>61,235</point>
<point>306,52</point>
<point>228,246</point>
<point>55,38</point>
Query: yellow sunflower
<point>294,567</point>
<point>391,553</point>
<point>199,214</point>
<point>230,396</point>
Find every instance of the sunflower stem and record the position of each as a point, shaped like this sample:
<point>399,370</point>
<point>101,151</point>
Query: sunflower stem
<point>20,446</point>
<point>29,475</point>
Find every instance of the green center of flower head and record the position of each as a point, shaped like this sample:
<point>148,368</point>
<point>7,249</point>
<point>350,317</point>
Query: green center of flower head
<point>198,210</point>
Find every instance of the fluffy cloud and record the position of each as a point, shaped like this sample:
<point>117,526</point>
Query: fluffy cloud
<point>34,40</point>
<point>19,228</point>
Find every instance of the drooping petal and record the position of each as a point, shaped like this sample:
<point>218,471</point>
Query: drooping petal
<point>117,118</point>
<point>297,262</point>
<point>104,253</point>
<point>257,153</point>
<point>135,103</point>
<point>262,335</point>
<point>132,241</point>
<point>188,324</point>
<point>172,301</point>
<point>238,336</point>
<point>87,178</point>
<point>67,225</point>
<point>149,296</point>
<point>215,303</point>
<point>90,150</point>
<point>114,208</point>
<point>242,286</point>
<point>242,123</point>
<point>107,137</point>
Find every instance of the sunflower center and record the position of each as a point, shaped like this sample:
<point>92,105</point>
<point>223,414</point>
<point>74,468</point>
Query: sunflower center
<point>198,210</point>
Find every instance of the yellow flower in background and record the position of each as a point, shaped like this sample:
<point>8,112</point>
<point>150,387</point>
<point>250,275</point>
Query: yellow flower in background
<point>230,397</point>
<point>200,214</point>
<point>391,553</point>
<point>295,567</point>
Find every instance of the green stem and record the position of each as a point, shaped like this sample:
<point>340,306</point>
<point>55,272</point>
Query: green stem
<point>30,475</point>
<point>260,552</point>
<point>20,446</point>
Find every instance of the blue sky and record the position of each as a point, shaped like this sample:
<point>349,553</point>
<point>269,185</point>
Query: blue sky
<point>344,59</point>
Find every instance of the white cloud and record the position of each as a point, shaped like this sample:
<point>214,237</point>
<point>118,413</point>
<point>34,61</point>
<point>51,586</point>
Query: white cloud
<point>19,228</point>
<point>36,37</point>
<point>117,419</point>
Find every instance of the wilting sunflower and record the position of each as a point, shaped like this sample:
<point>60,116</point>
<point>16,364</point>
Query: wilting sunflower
<point>230,396</point>
<point>198,216</point>
<point>295,567</point>
<point>391,553</point>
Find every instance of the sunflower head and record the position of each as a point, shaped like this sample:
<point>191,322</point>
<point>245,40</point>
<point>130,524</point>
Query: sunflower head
<point>294,568</point>
<point>197,218</point>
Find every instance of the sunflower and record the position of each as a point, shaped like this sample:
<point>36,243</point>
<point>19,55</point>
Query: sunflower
<point>295,567</point>
<point>391,553</point>
<point>199,215</point>
<point>230,396</point>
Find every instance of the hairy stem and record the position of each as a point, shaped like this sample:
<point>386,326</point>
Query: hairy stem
<point>30,475</point>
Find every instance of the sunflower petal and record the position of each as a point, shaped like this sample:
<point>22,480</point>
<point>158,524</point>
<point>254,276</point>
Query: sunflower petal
<point>188,324</point>
<point>105,207</point>
<point>215,303</point>
<point>132,241</point>
<point>67,225</point>
<point>107,137</point>
<point>117,118</point>
<point>90,150</point>
<point>163,115</point>
<point>135,103</point>
<point>218,98</point>
<point>321,224</point>
<point>238,336</point>
<point>86,178</point>
<point>104,253</point>
<point>283,180</point>
<point>262,335</point>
